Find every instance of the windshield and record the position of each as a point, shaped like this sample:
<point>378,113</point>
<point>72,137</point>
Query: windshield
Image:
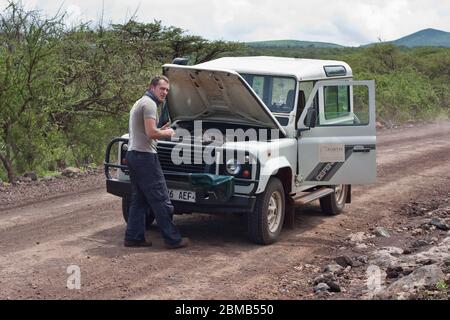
<point>278,93</point>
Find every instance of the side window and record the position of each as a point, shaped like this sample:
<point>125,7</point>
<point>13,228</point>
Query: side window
<point>344,105</point>
<point>336,102</point>
<point>361,105</point>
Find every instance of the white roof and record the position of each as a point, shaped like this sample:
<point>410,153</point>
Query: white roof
<point>302,69</point>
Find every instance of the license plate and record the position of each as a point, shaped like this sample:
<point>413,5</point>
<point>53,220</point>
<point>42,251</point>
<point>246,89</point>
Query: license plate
<point>182,195</point>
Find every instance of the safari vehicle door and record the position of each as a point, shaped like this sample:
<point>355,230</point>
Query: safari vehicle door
<point>337,134</point>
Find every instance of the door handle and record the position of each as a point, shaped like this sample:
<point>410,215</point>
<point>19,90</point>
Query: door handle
<point>361,149</point>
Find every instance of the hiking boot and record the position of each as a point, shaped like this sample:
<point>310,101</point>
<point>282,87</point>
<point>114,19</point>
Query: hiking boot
<point>184,242</point>
<point>134,243</point>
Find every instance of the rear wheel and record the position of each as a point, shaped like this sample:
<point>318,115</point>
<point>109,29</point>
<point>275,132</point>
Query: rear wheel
<point>334,203</point>
<point>266,222</point>
<point>126,203</point>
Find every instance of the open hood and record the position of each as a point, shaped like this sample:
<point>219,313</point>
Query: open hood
<point>218,95</point>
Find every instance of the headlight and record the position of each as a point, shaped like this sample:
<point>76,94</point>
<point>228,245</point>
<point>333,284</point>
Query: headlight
<point>233,167</point>
<point>123,153</point>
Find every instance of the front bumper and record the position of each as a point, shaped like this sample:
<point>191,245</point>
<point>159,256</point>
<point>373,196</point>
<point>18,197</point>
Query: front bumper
<point>214,194</point>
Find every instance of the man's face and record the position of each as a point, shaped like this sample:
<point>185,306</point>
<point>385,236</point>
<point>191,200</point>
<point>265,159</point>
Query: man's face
<point>161,90</point>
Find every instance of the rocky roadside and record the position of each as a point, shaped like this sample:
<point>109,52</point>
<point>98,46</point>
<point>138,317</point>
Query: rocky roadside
<point>409,260</point>
<point>31,188</point>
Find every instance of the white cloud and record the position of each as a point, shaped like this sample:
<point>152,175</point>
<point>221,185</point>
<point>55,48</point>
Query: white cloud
<point>347,22</point>
<point>74,16</point>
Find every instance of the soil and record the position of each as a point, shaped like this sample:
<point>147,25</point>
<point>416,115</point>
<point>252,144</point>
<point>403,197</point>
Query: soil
<point>48,226</point>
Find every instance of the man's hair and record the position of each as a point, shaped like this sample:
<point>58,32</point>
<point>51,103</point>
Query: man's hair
<point>155,80</point>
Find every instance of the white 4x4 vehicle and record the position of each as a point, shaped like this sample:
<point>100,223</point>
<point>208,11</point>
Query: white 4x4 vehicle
<point>260,136</point>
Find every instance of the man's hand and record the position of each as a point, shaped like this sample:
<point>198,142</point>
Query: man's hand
<point>169,132</point>
<point>167,125</point>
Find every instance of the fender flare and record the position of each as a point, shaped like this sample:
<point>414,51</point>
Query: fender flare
<point>270,169</point>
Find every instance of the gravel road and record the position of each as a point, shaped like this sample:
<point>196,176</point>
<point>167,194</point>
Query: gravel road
<point>47,227</point>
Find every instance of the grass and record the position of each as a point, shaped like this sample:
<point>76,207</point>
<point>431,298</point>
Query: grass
<point>441,285</point>
<point>47,173</point>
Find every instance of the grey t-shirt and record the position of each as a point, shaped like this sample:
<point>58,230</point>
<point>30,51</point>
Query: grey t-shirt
<point>144,108</point>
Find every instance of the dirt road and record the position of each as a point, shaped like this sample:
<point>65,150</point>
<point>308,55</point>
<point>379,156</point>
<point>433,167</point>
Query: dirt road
<point>40,240</point>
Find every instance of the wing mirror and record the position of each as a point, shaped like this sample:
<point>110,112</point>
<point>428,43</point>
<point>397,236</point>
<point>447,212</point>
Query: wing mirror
<point>310,120</point>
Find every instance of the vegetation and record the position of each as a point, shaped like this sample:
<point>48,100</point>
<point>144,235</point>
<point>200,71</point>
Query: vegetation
<point>442,285</point>
<point>64,93</point>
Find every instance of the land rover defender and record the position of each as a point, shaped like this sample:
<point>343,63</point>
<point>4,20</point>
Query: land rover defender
<point>260,136</point>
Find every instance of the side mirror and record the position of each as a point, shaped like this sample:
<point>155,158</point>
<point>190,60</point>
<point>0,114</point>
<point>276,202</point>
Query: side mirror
<point>310,120</point>
<point>311,117</point>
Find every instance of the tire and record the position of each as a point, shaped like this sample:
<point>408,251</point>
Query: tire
<point>266,222</point>
<point>334,203</point>
<point>126,203</point>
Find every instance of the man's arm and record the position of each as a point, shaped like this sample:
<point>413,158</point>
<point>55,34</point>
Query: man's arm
<point>154,133</point>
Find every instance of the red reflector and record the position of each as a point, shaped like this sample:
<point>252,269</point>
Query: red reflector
<point>124,162</point>
<point>246,174</point>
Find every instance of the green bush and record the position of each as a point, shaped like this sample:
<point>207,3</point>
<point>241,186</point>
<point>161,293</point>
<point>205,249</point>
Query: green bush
<point>66,92</point>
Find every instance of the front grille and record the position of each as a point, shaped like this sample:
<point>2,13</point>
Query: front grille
<point>165,158</point>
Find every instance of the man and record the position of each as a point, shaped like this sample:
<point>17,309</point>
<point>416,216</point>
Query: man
<point>149,189</point>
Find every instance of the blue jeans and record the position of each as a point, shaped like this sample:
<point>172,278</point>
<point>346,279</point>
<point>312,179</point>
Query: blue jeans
<point>149,191</point>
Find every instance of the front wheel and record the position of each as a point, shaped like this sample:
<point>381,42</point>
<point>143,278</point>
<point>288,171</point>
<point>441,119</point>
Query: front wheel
<point>266,222</point>
<point>126,203</point>
<point>334,203</point>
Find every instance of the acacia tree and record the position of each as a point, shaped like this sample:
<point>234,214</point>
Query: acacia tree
<point>27,48</point>
<point>104,70</point>
<point>65,92</point>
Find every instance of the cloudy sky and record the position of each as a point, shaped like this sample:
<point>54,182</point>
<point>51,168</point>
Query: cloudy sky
<point>346,22</point>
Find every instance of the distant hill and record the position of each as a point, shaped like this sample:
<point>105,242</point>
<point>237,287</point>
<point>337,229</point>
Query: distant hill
<point>425,38</point>
<point>292,44</point>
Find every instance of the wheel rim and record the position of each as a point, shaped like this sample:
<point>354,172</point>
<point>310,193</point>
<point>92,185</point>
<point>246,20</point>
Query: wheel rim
<point>274,210</point>
<point>340,194</point>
